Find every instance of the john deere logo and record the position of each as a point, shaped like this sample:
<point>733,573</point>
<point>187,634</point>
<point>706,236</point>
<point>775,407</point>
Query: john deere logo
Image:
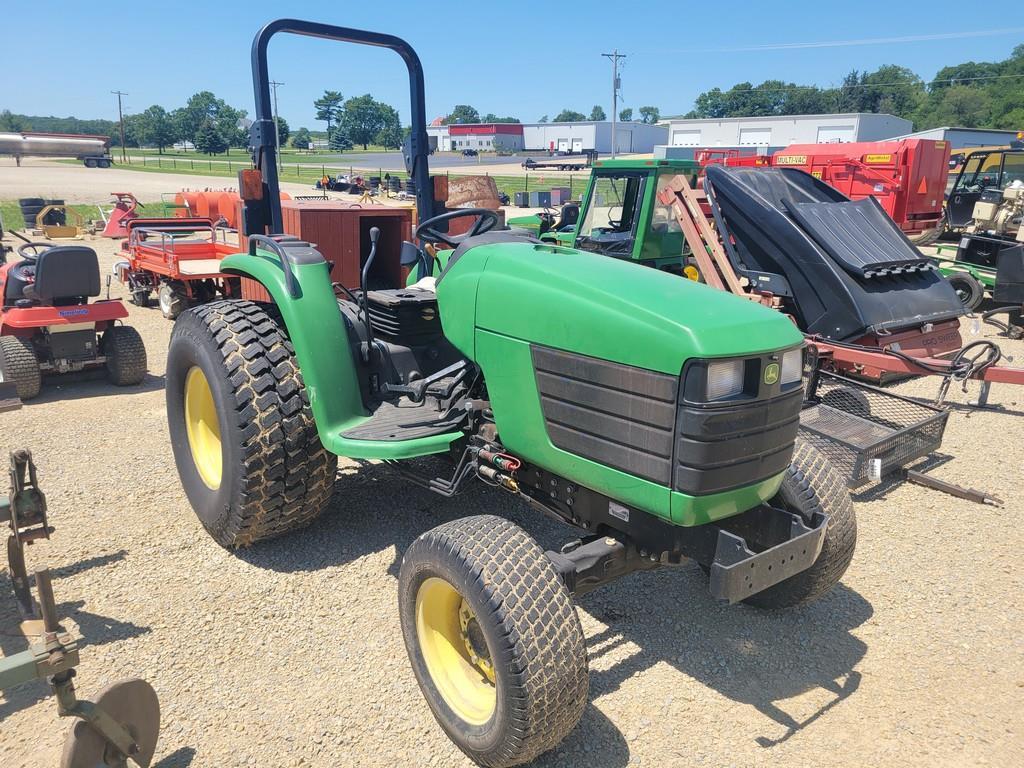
<point>771,373</point>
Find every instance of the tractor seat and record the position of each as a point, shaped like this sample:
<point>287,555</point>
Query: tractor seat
<point>570,215</point>
<point>66,274</point>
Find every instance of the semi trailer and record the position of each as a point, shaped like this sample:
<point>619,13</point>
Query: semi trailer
<point>93,151</point>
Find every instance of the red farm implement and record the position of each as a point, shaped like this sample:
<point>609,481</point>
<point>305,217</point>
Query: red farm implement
<point>907,177</point>
<point>178,259</point>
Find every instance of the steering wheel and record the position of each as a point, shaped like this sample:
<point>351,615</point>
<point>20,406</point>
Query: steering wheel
<point>35,248</point>
<point>486,221</point>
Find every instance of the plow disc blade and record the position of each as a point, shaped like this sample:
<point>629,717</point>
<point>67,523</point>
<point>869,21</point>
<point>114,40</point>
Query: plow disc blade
<point>133,704</point>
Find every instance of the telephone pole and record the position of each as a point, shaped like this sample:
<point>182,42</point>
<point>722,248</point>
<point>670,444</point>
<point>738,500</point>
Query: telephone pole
<point>277,130</point>
<point>614,57</point>
<point>120,118</point>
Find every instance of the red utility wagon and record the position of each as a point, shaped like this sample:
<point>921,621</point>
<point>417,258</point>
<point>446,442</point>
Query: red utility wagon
<point>178,259</point>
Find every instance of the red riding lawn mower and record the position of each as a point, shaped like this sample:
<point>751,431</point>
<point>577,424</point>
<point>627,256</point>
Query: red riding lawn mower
<point>48,325</point>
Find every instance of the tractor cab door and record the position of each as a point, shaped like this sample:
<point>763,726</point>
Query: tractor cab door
<point>981,171</point>
<point>613,211</point>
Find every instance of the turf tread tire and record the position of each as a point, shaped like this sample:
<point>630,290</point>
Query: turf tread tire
<point>927,237</point>
<point>126,355</point>
<point>537,642</point>
<point>285,475</point>
<point>20,366</point>
<point>811,485</point>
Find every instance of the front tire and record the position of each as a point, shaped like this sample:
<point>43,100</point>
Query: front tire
<point>812,485</point>
<point>20,366</point>
<point>493,638</point>
<point>244,439</point>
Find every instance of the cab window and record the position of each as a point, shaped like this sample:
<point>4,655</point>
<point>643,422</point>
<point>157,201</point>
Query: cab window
<point>609,224</point>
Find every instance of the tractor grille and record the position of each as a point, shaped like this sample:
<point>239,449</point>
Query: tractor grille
<point>634,420</point>
<point>613,414</point>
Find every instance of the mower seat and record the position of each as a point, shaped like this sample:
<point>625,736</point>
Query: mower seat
<point>843,268</point>
<point>570,215</point>
<point>65,275</point>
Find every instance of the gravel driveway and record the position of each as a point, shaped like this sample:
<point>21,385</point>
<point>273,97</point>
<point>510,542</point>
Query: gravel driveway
<point>290,654</point>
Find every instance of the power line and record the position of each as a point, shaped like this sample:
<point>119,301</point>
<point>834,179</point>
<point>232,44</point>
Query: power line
<point>277,128</point>
<point>120,118</point>
<point>873,40</point>
<point>948,81</point>
<point>616,83</point>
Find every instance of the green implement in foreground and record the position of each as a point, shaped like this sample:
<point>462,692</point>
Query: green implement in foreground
<point>657,417</point>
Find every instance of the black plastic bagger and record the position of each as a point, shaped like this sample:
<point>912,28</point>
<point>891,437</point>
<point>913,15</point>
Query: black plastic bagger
<point>843,267</point>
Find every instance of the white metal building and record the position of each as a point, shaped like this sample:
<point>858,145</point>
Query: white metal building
<point>630,137</point>
<point>959,138</point>
<point>571,138</point>
<point>779,131</point>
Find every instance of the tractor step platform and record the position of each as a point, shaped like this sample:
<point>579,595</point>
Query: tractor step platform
<point>403,420</point>
<point>738,572</point>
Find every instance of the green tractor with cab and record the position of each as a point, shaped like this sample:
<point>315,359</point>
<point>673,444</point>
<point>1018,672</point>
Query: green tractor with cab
<point>620,215</point>
<point>655,416</point>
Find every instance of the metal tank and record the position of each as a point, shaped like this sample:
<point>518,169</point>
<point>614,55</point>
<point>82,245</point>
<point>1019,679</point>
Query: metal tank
<point>91,149</point>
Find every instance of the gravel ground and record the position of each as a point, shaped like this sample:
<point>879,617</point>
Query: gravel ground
<point>290,653</point>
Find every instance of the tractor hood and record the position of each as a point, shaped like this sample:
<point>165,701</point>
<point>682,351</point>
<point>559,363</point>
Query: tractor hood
<point>600,307</point>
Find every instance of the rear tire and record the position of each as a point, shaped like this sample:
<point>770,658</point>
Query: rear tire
<point>126,355</point>
<point>266,472</point>
<point>20,366</point>
<point>171,300</point>
<point>90,163</point>
<point>812,485</point>
<point>968,289</point>
<point>493,638</point>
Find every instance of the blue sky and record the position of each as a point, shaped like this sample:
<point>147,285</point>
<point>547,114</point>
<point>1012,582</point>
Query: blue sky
<point>524,59</point>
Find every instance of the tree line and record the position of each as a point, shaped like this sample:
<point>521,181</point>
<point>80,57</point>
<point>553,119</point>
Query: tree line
<point>464,113</point>
<point>212,126</point>
<point>971,95</point>
<point>205,122</point>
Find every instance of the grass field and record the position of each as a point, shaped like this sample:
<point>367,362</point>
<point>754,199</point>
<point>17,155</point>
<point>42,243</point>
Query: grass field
<point>300,174</point>
<point>10,213</point>
<point>289,154</point>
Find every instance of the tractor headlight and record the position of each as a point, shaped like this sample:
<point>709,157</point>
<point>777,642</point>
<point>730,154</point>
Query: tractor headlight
<point>792,366</point>
<point>725,379</point>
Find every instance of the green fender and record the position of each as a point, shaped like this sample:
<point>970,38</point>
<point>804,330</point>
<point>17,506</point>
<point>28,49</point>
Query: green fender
<point>323,351</point>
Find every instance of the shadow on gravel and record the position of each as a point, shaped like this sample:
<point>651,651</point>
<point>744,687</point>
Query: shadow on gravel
<point>596,741</point>
<point>98,561</point>
<point>91,383</point>
<point>667,616</point>
<point>179,758</point>
<point>751,656</point>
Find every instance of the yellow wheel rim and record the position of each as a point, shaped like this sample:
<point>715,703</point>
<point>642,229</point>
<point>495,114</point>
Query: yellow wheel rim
<point>454,651</point>
<point>691,272</point>
<point>203,428</point>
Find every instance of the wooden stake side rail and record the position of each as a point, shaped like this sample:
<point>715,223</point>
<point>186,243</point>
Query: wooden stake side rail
<point>705,246</point>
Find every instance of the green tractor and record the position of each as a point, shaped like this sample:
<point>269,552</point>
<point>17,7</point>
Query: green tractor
<point>620,215</point>
<point>656,417</point>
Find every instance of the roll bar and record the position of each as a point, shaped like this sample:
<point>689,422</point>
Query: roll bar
<point>261,140</point>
